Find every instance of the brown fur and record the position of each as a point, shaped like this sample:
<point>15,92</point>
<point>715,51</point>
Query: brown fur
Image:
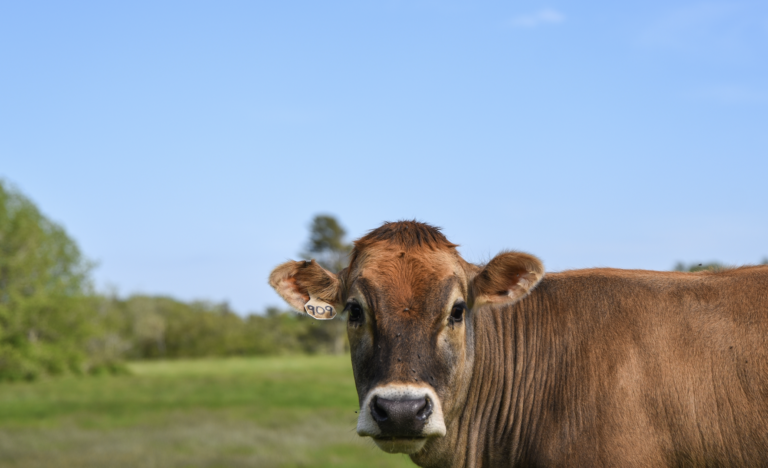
<point>508,277</point>
<point>407,235</point>
<point>623,368</point>
<point>592,368</point>
<point>296,281</point>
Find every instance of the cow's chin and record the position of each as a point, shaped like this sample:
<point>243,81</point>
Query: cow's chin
<point>400,445</point>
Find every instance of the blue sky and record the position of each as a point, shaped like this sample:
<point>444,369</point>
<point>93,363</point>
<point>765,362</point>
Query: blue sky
<point>187,145</point>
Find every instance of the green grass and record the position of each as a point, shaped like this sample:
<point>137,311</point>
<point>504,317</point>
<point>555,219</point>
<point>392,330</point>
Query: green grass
<point>250,412</point>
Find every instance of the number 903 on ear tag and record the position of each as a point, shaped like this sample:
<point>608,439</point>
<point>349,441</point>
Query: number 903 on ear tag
<point>319,310</point>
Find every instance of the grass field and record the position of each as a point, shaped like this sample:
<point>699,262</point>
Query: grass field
<point>250,412</point>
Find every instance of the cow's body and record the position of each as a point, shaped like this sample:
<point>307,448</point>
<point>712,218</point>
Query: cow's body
<point>461,365</point>
<point>619,368</point>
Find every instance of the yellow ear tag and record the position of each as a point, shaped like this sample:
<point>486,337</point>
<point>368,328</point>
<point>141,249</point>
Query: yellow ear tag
<point>318,309</point>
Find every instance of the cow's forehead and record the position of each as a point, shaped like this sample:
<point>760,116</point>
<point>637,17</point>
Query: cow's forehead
<point>406,276</point>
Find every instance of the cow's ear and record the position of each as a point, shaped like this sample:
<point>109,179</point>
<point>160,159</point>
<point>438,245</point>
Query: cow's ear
<point>297,281</point>
<point>506,279</point>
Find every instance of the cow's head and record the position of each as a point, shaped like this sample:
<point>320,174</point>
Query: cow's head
<point>410,299</point>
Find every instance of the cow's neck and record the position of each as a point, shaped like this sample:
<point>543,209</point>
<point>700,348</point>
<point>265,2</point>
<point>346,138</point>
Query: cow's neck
<point>513,356</point>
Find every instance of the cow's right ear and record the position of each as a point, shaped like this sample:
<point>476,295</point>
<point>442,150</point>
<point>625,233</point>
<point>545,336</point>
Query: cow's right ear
<point>506,279</point>
<point>297,281</point>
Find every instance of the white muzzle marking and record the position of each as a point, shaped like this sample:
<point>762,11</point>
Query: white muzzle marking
<point>434,426</point>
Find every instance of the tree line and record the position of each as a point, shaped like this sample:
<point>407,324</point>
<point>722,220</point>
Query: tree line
<point>150,327</point>
<point>53,322</point>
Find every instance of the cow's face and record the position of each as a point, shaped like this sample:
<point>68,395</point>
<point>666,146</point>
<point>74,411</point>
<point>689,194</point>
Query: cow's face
<point>410,304</point>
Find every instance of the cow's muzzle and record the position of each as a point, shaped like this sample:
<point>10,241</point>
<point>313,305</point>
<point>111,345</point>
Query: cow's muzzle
<point>400,418</point>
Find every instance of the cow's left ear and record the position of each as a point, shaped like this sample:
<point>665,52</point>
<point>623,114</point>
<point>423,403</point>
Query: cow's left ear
<point>297,282</point>
<point>506,279</point>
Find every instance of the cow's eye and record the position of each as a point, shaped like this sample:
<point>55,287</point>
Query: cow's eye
<point>457,313</point>
<point>355,312</point>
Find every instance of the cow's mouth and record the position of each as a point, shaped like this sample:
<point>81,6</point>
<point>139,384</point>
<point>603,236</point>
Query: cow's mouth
<point>409,445</point>
<point>400,439</point>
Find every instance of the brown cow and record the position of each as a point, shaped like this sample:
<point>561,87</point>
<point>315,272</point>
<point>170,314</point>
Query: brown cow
<point>468,366</point>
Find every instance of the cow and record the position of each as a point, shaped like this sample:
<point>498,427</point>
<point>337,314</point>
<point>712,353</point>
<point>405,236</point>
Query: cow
<point>498,365</point>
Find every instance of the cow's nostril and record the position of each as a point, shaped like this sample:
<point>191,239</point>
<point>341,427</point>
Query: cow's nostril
<point>379,414</point>
<point>425,411</point>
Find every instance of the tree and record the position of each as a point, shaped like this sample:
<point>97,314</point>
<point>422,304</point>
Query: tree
<point>694,267</point>
<point>45,302</point>
<point>329,248</point>
<point>714,266</point>
<point>326,243</point>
